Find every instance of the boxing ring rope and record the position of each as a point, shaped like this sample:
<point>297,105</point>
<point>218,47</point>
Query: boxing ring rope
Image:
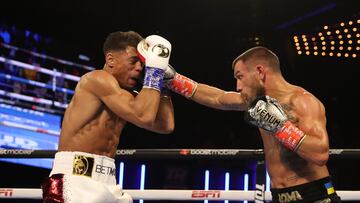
<point>175,153</point>
<point>147,194</point>
<point>236,195</point>
<point>44,56</point>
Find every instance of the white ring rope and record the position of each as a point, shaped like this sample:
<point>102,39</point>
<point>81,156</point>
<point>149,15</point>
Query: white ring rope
<point>32,99</point>
<point>40,69</point>
<point>238,195</point>
<point>44,56</point>
<point>36,83</point>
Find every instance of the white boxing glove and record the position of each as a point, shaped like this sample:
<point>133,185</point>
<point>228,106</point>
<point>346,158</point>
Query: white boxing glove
<point>154,51</point>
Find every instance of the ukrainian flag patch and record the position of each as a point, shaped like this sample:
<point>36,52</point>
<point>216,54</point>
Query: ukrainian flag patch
<point>329,188</point>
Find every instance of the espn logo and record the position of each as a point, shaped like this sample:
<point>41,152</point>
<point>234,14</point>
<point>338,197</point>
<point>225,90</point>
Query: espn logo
<point>214,194</point>
<point>6,192</point>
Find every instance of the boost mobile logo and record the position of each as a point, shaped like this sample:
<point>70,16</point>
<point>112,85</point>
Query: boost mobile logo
<point>16,151</point>
<point>224,152</point>
<point>125,152</point>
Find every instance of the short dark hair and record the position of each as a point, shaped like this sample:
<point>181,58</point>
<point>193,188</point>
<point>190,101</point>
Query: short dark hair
<point>259,53</point>
<point>118,41</point>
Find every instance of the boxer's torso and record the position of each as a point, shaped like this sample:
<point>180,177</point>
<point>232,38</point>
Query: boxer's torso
<point>89,126</point>
<point>285,167</point>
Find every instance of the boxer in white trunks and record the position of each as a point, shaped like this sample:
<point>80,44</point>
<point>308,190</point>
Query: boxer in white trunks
<point>84,168</point>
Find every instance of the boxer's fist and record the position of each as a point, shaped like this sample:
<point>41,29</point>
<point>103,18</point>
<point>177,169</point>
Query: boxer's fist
<point>154,51</point>
<point>266,112</point>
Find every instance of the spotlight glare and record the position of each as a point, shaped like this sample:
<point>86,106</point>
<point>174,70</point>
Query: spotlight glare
<point>350,22</point>
<point>342,24</point>
<point>306,44</point>
<point>341,48</point>
<point>299,52</point>
<point>349,48</point>
<point>322,38</point>
<point>340,36</point>
<point>332,42</point>
<point>323,43</point>
<point>331,54</point>
<point>328,33</point>
<point>341,42</point>
<point>297,44</point>
<point>307,53</point>
<point>346,55</point>
<point>303,36</point>
<point>315,47</point>
<point>354,29</point>
<point>337,31</point>
<point>306,48</point>
<point>298,48</point>
<point>357,48</point>
<point>332,47</point>
<point>296,40</point>
<point>313,39</point>
<point>358,41</point>
<point>354,55</point>
<point>350,41</point>
<point>326,27</point>
<point>323,53</point>
<point>357,35</point>
<point>346,30</point>
<point>315,53</point>
<point>348,35</point>
<point>323,48</point>
<point>320,34</point>
<point>338,54</point>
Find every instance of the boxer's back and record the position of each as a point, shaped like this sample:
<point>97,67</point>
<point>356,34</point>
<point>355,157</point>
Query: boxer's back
<point>88,125</point>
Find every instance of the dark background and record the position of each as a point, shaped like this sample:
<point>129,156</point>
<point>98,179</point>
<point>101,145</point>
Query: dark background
<point>206,36</point>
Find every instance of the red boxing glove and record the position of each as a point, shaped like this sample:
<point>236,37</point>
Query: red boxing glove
<point>290,136</point>
<point>182,85</point>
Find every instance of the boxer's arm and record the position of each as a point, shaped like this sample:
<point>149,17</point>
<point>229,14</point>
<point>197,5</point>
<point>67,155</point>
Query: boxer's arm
<point>219,99</point>
<point>140,110</point>
<point>164,122</point>
<point>315,147</point>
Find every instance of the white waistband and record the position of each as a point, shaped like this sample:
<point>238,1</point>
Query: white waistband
<point>97,167</point>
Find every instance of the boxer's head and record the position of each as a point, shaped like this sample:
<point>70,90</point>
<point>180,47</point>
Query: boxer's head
<point>121,58</point>
<point>251,69</point>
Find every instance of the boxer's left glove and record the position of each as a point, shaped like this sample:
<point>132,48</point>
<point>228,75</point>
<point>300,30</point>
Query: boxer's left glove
<point>266,113</point>
<point>179,83</point>
<point>154,51</point>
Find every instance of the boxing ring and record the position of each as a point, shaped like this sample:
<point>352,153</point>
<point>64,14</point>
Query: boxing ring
<point>258,195</point>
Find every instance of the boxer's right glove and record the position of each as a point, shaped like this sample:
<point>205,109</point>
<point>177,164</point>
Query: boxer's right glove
<point>154,51</point>
<point>179,83</point>
<point>267,113</point>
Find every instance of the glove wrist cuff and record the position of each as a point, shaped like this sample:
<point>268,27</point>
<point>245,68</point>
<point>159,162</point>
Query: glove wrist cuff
<point>290,136</point>
<point>183,85</point>
<point>153,78</point>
